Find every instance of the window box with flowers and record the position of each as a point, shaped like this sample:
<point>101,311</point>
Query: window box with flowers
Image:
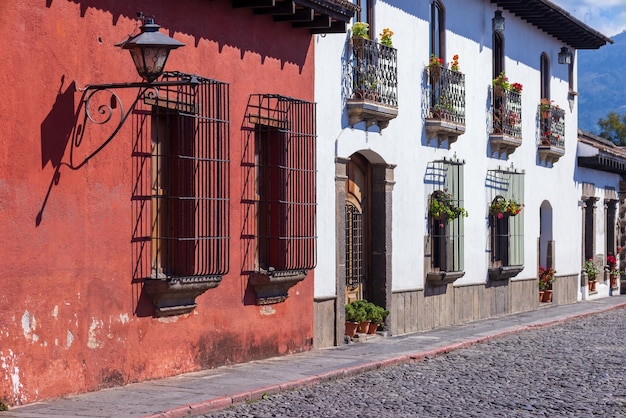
<point>373,79</point>
<point>446,102</point>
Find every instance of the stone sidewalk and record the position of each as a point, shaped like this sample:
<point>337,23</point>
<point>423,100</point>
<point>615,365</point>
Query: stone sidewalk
<point>202,392</point>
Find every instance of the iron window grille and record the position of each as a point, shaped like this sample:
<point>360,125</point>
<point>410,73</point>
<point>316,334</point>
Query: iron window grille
<point>445,178</point>
<point>181,191</point>
<point>283,188</point>
<point>506,231</point>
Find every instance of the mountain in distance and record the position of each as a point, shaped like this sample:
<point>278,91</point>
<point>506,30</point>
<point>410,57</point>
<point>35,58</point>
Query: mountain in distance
<point>600,83</point>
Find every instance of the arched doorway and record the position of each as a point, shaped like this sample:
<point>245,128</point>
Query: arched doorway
<point>364,186</point>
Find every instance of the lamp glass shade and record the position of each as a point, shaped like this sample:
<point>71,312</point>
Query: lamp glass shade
<point>497,23</point>
<point>149,61</point>
<point>150,50</point>
<point>564,56</point>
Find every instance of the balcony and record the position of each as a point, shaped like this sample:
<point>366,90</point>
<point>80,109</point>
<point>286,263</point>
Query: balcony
<point>551,145</point>
<point>373,95</point>
<point>446,112</point>
<point>506,110</point>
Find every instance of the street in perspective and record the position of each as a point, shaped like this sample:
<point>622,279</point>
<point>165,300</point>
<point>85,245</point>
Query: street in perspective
<point>572,369</point>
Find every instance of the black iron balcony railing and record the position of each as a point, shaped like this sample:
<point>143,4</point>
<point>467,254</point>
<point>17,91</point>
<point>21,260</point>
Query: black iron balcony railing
<point>507,113</point>
<point>447,95</point>
<point>374,72</point>
<point>552,126</point>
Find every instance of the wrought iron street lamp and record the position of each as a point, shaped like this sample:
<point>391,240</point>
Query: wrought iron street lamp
<point>150,49</point>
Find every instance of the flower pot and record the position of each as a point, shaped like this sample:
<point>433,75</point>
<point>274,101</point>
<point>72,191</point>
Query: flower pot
<point>613,281</point>
<point>592,285</point>
<point>541,296</point>
<point>363,327</point>
<point>351,328</point>
<point>547,296</point>
<point>435,71</point>
<point>372,329</point>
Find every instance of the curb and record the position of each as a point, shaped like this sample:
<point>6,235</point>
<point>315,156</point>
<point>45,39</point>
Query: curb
<point>224,402</point>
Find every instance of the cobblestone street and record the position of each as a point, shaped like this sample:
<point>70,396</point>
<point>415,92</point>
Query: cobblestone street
<point>574,369</point>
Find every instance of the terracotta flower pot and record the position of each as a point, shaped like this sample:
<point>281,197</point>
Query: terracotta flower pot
<point>372,329</point>
<point>351,328</point>
<point>364,327</point>
<point>592,285</point>
<point>547,296</point>
<point>541,296</point>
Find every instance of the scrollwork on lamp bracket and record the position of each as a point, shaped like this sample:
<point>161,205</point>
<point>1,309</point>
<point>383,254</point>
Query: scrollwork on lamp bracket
<point>102,113</point>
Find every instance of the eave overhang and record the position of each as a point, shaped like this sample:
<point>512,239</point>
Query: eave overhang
<point>555,21</point>
<point>319,16</point>
<point>603,162</point>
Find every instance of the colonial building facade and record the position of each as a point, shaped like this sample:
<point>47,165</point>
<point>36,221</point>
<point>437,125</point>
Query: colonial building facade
<point>155,225</point>
<point>445,158</point>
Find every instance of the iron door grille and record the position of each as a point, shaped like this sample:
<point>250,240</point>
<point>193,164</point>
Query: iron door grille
<point>181,192</point>
<point>354,247</point>
<point>284,139</point>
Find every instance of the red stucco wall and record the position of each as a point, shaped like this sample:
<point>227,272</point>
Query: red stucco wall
<point>68,320</point>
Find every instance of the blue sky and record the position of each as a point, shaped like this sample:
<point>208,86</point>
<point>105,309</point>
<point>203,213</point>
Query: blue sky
<point>605,16</point>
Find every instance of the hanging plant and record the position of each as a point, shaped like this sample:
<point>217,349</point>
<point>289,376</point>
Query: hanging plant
<point>500,207</point>
<point>442,206</point>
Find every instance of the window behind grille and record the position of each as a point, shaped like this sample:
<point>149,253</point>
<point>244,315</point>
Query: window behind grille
<point>181,190</point>
<point>506,233</point>
<point>446,237</point>
<point>283,129</point>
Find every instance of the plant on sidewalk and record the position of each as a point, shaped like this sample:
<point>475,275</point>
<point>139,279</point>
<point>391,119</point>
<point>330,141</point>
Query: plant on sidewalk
<point>546,278</point>
<point>592,270</point>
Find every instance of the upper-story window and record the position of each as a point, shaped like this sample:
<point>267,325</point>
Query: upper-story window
<point>366,15</point>
<point>438,29</point>
<point>545,75</point>
<point>498,53</point>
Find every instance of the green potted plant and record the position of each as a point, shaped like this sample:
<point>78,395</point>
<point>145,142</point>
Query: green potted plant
<point>434,67</point>
<point>592,271</point>
<point>361,30</point>
<point>544,107</point>
<point>546,278</point>
<point>501,84</point>
<point>442,206</point>
<point>376,314</point>
<point>355,314</point>
<point>385,37</point>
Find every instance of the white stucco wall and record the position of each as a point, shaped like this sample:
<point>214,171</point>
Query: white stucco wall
<point>403,142</point>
